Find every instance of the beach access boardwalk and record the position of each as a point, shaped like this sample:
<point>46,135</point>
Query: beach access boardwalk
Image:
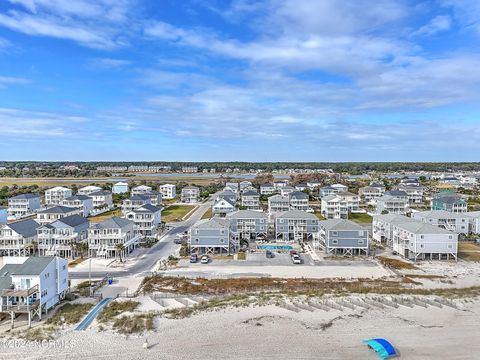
<point>85,323</point>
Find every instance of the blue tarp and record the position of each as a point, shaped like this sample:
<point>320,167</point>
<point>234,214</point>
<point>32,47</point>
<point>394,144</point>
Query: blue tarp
<point>383,348</point>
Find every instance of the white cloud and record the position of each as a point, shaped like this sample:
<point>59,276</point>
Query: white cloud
<point>99,24</point>
<point>109,63</point>
<point>437,24</point>
<point>8,80</point>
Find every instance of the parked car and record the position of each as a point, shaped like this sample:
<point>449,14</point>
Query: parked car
<point>205,259</point>
<point>269,254</point>
<point>193,258</point>
<point>296,259</point>
<point>293,252</point>
<point>179,241</point>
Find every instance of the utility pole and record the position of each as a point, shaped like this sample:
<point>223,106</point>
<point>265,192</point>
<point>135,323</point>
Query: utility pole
<point>90,275</point>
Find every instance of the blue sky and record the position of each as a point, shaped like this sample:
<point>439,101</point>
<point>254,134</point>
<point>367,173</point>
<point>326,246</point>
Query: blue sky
<point>273,80</point>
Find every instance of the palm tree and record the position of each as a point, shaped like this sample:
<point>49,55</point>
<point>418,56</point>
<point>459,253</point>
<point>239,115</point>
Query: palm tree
<point>120,248</point>
<point>34,247</point>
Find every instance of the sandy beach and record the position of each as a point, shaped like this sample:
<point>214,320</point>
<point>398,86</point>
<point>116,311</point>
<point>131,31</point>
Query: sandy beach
<point>272,332</point>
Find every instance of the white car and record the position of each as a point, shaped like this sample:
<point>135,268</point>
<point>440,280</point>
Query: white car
<point>205,259</point>
<point>296,259</point>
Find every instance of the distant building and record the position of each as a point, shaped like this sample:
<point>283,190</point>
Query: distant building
<point>328,191</point>
<point>248,224</point>
<point>339,205</point>
<point>343,237</point>
<point>147,219</point>
<point>456,222</point>
<point>190,194</point>
<point>23,205</point>
<point>16,238</point>
<point>223,206</point>
<point>392,205</point>
<point>246,186</point>
<point>113,237</point>
<point>449,202</point>
<point>169,191</point>
<point>87,190</point>
<point>83,202</point>
<point>299,201</point>
<point>56,213</point>
<point>415,240</point>
<point>371,193</point>
<point>56,195</point>
<point>134,202</point>
<point>140,190</point>
<point>295,225</point>
<point>120,188</point>
<point>250,200</point>
<point>189,169</point>
<point>267,189</point>
<point>101,199</point>
<point>213,236</point>
<point>232,186</point>
<point>227,194</point>
<point>278,203</point>
<point>60,237</point>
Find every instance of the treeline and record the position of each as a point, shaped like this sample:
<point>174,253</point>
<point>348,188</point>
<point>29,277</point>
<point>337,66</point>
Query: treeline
<point>89,168</point>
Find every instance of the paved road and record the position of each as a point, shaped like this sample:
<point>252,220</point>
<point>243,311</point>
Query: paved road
<point>163,248</point>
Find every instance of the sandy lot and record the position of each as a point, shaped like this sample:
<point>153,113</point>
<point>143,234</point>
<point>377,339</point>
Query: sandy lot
<point>271,332</point>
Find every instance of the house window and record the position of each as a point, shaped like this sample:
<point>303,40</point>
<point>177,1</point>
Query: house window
<point>450,246</point>
<point>421,246</point>
<point>335,241</point>
<point>196,240</point>
<point>222,240</point>
<point>360,242</point>
<point>421,236</point>
<point>334,233</point>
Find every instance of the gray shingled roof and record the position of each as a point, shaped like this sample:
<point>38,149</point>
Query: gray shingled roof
<point>139,197</point>
<point>247,214</point>
<point>296,214</point>
<point>250,193</point>
<point>278,198</point>
<point>226,200</point>
<point>34,265</point>
<point>298,195</point>
<point>213,223</point>
<point>147,208</point>
<point>442,214</point>
<point>100,193</point>
<point>6,275</point>
<point>73,220</point>
<point>114,222</point>
<point>396,193</point>
<point>340,224</point>
<point>418,227</point>
<point>58,210</point>
<point>25,196</point>
<point>78,197</point>
<point>27,228</point>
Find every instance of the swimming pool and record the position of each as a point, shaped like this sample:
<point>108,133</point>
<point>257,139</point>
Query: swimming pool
<point>275,247</point>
